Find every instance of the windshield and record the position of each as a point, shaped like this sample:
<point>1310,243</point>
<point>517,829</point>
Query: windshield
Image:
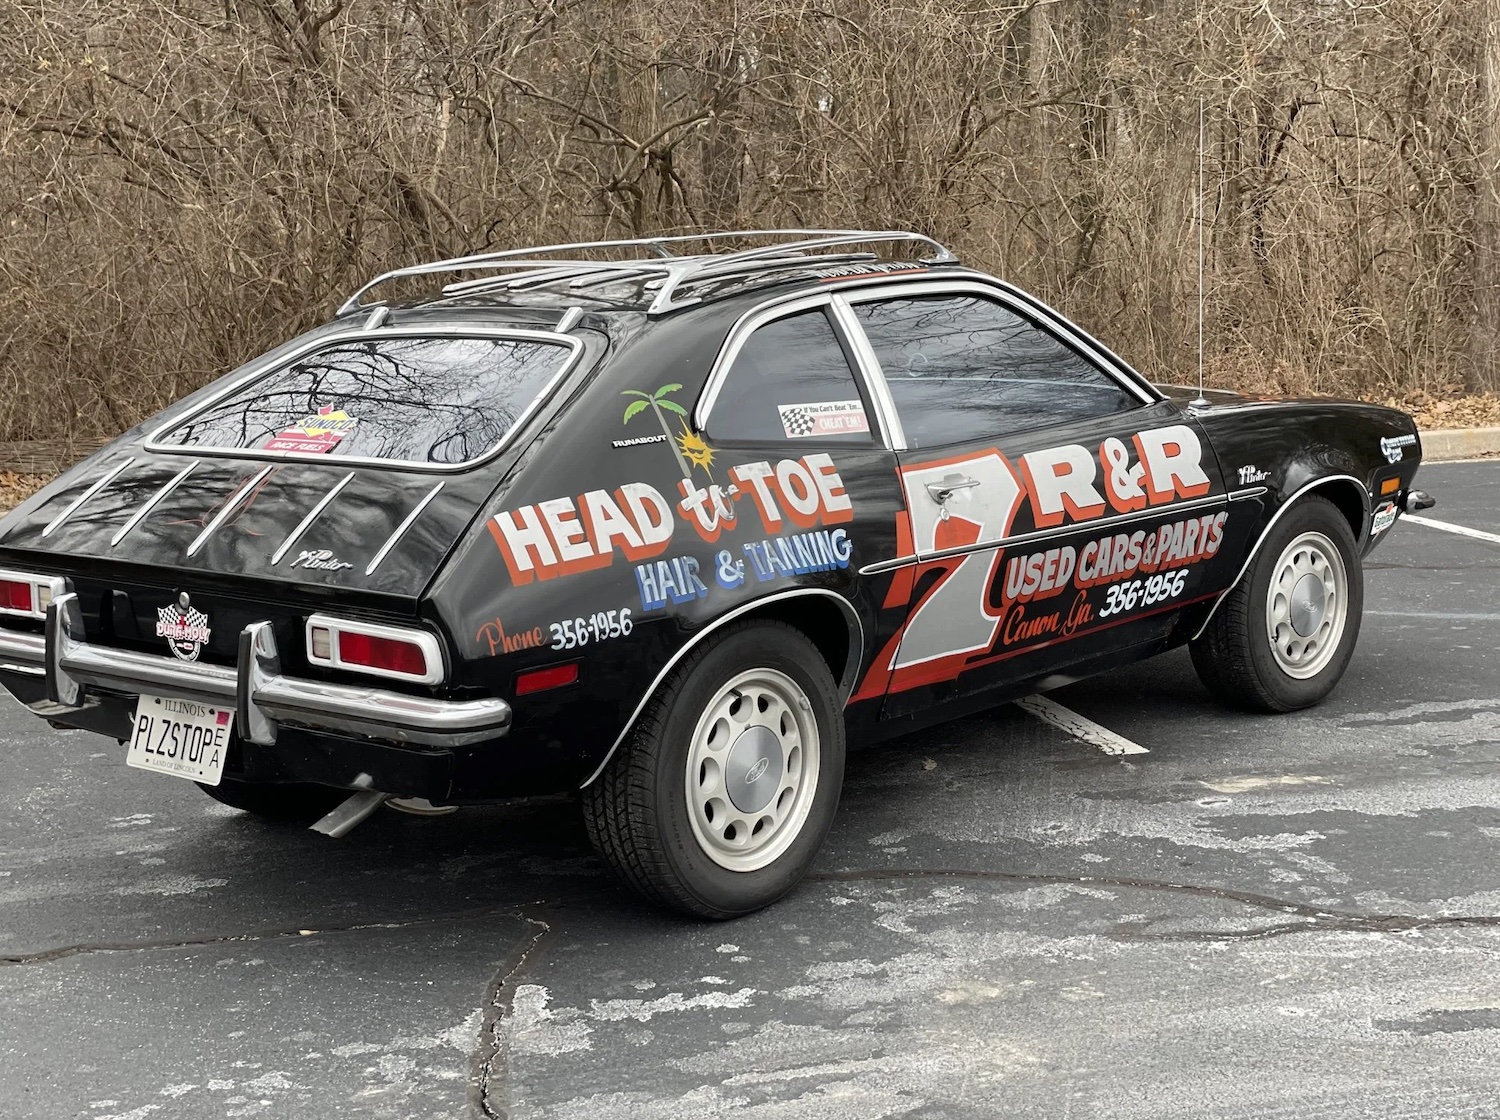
<point>439,400</point>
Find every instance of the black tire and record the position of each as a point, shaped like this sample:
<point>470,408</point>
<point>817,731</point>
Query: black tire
<point>290,802</point>
<point>1234,655</point>
<point>638,813</point>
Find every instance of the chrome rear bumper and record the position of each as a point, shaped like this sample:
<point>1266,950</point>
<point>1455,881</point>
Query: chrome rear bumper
<point>262,697</point>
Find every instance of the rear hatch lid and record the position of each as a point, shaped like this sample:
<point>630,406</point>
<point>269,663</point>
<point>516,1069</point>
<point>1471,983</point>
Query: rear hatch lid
<point>339,477</point>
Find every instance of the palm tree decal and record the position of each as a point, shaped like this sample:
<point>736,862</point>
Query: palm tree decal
<point>656,402</point>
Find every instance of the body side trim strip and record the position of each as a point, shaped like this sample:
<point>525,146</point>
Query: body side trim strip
<point>247,488</point>
<point>401,529</point>
<point>1248,493</point>
<point>151,503</point>
<point>1043,534</point>
<point>1266,532</point>
<point>312,515</point>
<point>85,496</point>
<point>846,685</point>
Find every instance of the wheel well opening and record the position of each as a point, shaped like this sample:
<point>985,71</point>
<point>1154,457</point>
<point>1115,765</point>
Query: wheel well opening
<point>823,621</point>
<point>1349,500</point>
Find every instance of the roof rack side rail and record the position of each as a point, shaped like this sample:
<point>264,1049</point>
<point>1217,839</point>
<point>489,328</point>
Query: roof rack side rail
<point>662,260</point>
<point>788,255</point>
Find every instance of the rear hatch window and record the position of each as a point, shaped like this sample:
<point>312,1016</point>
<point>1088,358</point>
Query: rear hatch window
<point>427,400</point>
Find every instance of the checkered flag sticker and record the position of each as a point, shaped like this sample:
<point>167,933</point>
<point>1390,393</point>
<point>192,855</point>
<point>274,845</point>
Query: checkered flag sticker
<point>797,420</point>
<point>823,418</point>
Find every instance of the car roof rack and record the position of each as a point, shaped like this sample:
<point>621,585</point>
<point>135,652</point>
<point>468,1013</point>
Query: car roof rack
<point>669,272</point>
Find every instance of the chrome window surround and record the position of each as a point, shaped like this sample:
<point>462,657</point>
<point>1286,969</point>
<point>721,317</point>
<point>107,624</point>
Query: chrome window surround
<point>359,334</point>
<point>773,312</point>
<point>261,696</point>
<point>432,651</point>
<point>845,685</point>
<point>54,585</point>
<point>841,300</point>
<point>874,376</point>
<point>1266,532</point>
<point>1028,307</point>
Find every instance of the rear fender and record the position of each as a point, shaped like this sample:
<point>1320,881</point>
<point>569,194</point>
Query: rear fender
<point>851,652</point>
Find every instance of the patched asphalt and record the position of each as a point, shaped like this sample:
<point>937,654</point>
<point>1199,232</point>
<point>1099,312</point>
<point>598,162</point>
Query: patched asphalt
<point>1263,917</point>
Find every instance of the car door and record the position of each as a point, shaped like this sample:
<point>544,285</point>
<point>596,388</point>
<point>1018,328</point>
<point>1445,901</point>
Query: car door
<point>1058,513</point>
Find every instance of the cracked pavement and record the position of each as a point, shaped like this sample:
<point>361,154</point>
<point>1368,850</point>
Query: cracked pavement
<point>1263,917</point>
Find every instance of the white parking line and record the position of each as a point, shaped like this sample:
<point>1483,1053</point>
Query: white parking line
<point>1080,727</point>
<point>1461,530</point>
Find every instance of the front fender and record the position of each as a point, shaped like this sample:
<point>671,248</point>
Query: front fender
<point>1359,456</point>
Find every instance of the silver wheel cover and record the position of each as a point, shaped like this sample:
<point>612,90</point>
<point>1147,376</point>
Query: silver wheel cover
<point>752,769</point>
<point>1307,605</point>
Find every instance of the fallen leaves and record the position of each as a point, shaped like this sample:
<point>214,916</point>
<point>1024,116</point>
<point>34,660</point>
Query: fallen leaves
<point>15,488</point>
<point>1433,411</point>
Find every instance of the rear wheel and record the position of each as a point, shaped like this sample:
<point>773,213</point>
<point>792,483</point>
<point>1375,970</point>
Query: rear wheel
<point>292,802</point>
<point>1283,637</point>
<point>720,797</point>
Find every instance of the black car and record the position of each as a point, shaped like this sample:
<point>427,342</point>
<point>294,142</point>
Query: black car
<point>667,530</point>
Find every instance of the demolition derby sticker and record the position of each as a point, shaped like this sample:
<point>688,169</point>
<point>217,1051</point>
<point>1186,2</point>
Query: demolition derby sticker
<point>828,418</point>
<point>314,435</point>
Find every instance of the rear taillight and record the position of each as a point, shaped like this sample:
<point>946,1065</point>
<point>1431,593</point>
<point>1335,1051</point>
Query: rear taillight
<point>15,596</point>
<point>394,655</point>
<point>381,651</point>
<point>28,596</point>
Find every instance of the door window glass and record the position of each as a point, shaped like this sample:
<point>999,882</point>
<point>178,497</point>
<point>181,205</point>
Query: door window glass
<point>963,368</point>
<point>791,381</point>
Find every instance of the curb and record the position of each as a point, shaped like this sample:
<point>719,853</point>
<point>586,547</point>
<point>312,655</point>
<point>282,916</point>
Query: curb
<point>1444,445</point>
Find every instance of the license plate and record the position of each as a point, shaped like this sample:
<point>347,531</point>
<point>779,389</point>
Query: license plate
<point>180,737</point>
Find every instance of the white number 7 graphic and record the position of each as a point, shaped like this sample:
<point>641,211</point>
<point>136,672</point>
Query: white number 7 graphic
<point>956,503</point>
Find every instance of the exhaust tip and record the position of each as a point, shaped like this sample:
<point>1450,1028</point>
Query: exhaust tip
<point>349,813</point>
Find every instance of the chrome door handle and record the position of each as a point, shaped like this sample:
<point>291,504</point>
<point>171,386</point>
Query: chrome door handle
<point>942,491</point>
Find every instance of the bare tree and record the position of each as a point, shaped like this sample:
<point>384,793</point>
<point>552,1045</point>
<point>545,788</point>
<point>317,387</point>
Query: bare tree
<point>189,181</point>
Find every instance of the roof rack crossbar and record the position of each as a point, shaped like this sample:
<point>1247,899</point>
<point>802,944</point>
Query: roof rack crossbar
<point>676,270</point>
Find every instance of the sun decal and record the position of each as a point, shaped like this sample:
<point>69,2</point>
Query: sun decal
<point>695,449</point>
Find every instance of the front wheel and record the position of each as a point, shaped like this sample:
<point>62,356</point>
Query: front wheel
<point>1284,635</point>
<point>721,795</point>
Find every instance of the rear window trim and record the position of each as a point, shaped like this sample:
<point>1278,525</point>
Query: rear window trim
<point>261,369</point>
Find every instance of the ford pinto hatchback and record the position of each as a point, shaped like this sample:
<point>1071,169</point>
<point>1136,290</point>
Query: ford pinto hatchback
<point>669,529</point>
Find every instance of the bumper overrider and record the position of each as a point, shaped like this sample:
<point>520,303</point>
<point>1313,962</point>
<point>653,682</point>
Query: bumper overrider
<point>263,698</point>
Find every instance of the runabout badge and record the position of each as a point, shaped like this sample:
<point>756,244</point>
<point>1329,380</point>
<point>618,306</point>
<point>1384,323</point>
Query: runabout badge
<point>184,627</point>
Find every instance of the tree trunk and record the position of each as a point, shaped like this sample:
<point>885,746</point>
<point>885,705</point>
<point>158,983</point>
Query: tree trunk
<point>1484,373</point>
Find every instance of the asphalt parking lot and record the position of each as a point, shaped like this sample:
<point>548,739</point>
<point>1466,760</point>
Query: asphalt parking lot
<point>1277,916</point>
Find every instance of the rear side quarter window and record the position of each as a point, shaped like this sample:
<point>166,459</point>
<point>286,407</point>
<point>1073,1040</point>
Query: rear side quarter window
<point>791,381</point>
